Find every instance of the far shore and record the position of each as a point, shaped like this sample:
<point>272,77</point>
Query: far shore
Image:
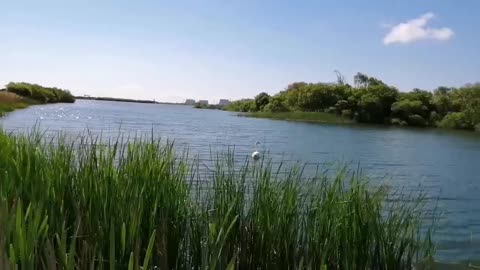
<point>316,117</point>
<point>126,100</point>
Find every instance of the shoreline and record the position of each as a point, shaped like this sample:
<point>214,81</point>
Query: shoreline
<point>308,117</point>
<point>126,100</point>
<point>22,95</point>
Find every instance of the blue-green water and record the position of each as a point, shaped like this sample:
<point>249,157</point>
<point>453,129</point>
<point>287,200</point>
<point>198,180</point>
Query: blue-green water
<point>444,164</point>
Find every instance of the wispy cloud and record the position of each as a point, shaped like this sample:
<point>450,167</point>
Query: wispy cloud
<point>415,30</point>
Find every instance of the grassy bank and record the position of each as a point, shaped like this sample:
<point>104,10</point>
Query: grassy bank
<point>10,102</point>
<point>319,117</point>
<point>139,205</point>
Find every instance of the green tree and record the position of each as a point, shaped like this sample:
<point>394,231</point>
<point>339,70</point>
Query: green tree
<point>261,100</point>
<point>275,105</point>
<point>374,102</point>
<point>404,108</point>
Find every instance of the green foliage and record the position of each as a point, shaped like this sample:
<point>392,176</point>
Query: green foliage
<point>376,102</point>
<point>414,112</point>
<point>416,120</point>
<point>320,117</point>
<point>342,105</point>
<point>404,108</point>
<point>424,97</point>
<point>208,106</point>
<point>40,94</point>
<point>461,106</point>
<point>11,101</point>
<point>261,100</point>
<point>363,81</point>
<point>314,97</point>
<point>370,109</point>
<point>398,122</point>
<point>373,101</point>
<point>347,114</point>
<point>276,104</point>
<point>245,105</point>
<point>138,205</point>
<point>456,120</point>
<point>469,98</point>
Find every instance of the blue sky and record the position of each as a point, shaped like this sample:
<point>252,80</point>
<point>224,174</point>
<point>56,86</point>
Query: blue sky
<point>172,50</point>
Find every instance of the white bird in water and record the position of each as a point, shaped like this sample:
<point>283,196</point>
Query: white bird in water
<point>256,155</point>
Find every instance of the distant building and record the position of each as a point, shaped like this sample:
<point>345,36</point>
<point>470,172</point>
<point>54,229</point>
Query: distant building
<point>203,102</point>
<point>3,89</point>
<point>224,102</point>
<point>190,102</point>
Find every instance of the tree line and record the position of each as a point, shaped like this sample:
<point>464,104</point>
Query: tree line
<point>370,100</point>
<point>40,94</point>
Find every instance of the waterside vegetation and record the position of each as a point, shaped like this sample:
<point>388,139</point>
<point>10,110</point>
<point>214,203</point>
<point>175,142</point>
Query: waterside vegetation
<point>370,100</point>
<point>317,117</point>
<point>21,95</point>
<point>10,102</point>
<point>144,205</point>
<point>208,106</point>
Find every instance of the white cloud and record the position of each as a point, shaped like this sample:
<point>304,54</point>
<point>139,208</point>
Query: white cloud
<point>415,30</point>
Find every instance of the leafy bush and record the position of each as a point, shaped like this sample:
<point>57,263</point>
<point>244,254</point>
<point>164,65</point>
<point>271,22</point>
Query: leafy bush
<point>455,120</point>
<point>330,110</point>
<point>347,113</point>
<point>416,120</point>
<point>398,122</point>
<point>261,100</point>
<point>342,105</point>
<point>246,105</point>
<point>434,118</point>
<point>405,108</point>
<point>275,105</point>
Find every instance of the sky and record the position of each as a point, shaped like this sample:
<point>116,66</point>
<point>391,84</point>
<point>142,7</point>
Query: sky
<point>212,49</point>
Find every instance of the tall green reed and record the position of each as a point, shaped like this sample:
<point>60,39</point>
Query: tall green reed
<point>141,204</point>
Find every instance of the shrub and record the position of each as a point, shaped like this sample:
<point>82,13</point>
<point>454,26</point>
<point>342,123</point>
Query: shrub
<point>275,105</point>
<point>405,108</point>
<point>347,113</point>
<point>261,100</point>
<point>398,122</point>
<point>456,120</point>
<point>435,118</point>
<point>245,105</point>
<point>330,110</point>
<point>342,105</point>
<point>416,120</point>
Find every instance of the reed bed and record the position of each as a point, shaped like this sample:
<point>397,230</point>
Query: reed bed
<point>144,205</point>
<point>10,101</point>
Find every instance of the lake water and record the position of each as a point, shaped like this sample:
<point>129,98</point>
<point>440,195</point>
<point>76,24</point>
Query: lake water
<point>443,163</point>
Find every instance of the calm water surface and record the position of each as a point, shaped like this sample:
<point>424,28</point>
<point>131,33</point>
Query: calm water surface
<point>444,164</point>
